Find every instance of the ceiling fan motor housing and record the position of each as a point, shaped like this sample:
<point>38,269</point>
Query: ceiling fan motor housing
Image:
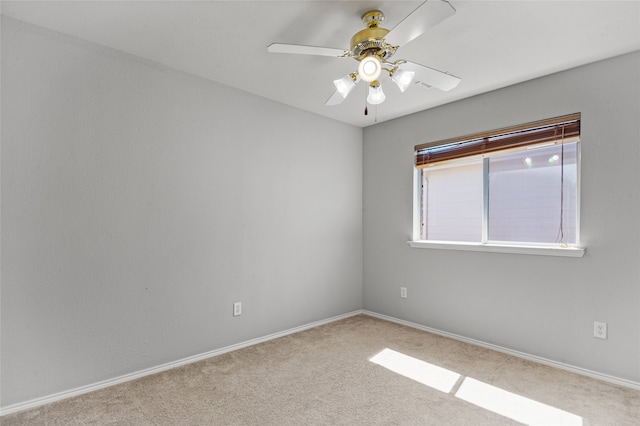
<point>370,41</point>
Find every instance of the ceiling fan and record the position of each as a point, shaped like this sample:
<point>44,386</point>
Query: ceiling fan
<point>374,46</point>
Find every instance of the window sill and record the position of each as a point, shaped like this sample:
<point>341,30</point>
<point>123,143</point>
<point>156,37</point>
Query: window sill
<point>501,248</point>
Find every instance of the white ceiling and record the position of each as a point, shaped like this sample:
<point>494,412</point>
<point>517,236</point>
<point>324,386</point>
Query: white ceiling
<point>489,44</point>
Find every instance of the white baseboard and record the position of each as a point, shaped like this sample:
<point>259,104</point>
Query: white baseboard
<point>153,370</point>
<point>540,360</point>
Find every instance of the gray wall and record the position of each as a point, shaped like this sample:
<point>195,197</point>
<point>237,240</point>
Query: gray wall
<point>539,305</point>
<point>138,203</point>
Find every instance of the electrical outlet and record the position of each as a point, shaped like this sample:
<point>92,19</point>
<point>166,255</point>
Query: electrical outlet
<point>237,309</point>
<point>403,292</point>
<point>600,330</point>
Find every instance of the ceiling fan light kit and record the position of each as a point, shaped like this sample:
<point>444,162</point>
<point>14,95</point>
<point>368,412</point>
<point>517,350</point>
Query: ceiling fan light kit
<point>402,78</point>
<point>374,45</point>
<point>346,84</point>
<point>370,68</point>
<point>376,95</point>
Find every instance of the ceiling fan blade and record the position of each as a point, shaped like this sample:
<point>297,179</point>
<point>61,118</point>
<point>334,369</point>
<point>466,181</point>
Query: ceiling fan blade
<point>335,99</point>
<point>306,50</point>
<point>431,77</point>
<point>426,16</point>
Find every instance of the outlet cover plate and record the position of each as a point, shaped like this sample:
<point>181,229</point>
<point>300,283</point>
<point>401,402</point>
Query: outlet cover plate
<point>237,309</point>
<point>600,329</point>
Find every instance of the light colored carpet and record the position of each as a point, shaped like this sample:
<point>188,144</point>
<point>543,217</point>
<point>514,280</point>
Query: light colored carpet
<point>325,376</point>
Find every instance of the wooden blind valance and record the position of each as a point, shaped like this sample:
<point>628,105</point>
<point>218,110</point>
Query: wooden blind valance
<point>555,130</point>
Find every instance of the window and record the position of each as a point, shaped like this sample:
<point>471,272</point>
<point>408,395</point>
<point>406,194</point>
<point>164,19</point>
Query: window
<point>506,189</point>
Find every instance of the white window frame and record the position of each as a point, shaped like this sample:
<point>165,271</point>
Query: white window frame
<point>544,249</point>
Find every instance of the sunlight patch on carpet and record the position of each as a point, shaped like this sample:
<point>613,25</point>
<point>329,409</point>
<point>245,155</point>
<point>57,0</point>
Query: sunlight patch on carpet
<point>513,406</point>
<point>422,372</point>
<point>488,397</point>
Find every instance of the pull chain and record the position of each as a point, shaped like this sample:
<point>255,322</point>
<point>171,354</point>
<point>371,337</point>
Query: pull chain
<point>366,107</point>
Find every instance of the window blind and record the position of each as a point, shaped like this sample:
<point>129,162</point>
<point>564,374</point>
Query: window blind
<point>553,131</point>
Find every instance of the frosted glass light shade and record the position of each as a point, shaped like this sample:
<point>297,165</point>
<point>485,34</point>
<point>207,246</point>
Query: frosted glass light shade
<point>345,85</point>
<point>402,78</point>
<point>376,95</point>
<point>369,69</point>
